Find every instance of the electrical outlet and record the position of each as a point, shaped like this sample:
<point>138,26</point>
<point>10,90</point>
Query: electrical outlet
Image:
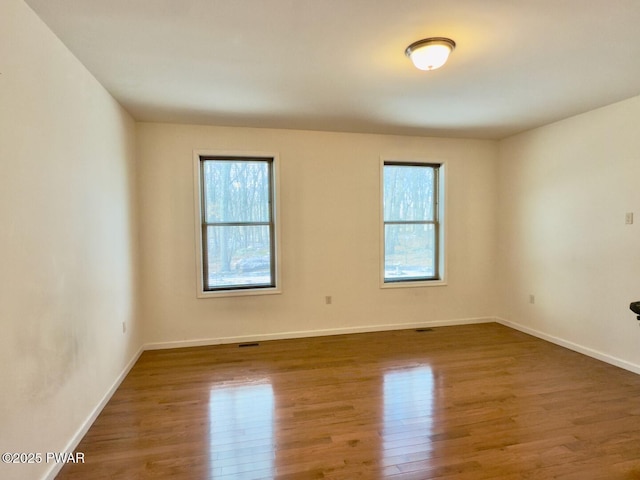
<point>327,299</point>
<point>532,299</point>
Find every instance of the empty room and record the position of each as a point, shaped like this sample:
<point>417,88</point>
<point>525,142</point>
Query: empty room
<point>320,239</point>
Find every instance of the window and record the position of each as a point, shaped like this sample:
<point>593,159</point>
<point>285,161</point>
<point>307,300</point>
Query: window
<point>237,237</point>
<point>412,228</point>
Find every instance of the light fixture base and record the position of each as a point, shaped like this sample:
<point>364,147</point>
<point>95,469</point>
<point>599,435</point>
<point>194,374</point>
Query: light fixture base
<point>430,53</point>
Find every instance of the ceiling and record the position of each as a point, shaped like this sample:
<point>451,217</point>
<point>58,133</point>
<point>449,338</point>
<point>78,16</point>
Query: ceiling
<point>339,65</point>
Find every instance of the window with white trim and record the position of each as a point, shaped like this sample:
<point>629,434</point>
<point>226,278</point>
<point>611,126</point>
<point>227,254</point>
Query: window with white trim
<point>237,217</point>
<point>412,224</point>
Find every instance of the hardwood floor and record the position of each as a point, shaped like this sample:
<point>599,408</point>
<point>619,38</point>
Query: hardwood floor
<point>467,403</point>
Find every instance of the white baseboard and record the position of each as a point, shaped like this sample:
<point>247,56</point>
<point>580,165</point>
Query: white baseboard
<point>618,362</point>
<point>311,333</point>
<point>84,427</point>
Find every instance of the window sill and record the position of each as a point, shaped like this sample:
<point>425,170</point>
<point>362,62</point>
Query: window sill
<point>414,284</point>
<point>240,293</point>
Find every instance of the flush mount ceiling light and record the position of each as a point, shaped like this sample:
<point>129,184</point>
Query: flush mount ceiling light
<point>430,53</point>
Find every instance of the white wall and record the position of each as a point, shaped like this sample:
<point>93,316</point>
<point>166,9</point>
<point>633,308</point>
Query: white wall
<point>330,234</point>
<point>564,192</point>
<point>67,241</point>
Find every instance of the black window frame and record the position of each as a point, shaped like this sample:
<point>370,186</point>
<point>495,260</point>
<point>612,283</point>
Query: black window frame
<point>271,223</point>
<point>436,222</point>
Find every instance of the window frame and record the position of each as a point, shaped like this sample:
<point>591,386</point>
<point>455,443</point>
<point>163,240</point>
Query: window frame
<point>440,259</point>
<point>202,155</point>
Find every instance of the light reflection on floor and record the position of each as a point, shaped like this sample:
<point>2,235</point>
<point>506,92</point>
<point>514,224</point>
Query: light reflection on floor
<point>241,434</point>
<point>408,415</point>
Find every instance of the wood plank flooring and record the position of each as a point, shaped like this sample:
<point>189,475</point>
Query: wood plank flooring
<point>466,403</point>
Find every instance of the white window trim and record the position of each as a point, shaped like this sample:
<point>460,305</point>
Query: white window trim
<point>442,203</point>
<point>197,197</point>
